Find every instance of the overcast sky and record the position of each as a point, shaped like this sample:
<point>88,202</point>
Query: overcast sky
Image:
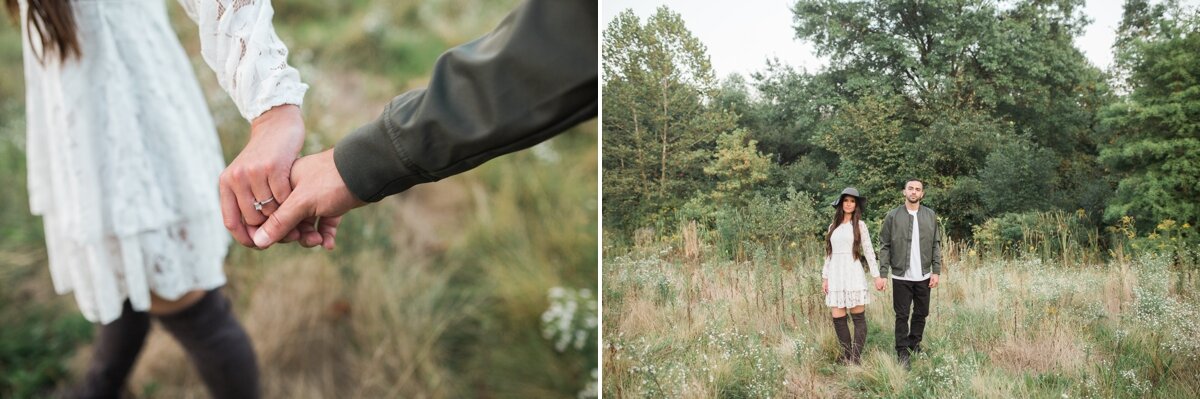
<point>724,28</point>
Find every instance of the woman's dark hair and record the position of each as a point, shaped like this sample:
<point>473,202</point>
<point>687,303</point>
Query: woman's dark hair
<point>55,25</point>
<point>838,215</point>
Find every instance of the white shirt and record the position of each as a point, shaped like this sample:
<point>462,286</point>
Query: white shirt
<point>914,255</point>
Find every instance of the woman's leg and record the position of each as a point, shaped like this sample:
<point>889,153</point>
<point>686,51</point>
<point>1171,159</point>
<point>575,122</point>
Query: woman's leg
<point>116,349</point>
<point>217,345</point>
<point>843,332</point>
<point>858,315</point>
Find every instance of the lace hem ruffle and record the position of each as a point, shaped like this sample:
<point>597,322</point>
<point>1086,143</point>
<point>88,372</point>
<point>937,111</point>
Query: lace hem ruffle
<point>847,299</point>
<point>170,262</point>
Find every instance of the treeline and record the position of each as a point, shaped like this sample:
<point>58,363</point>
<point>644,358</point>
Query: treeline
<point>992,105</point>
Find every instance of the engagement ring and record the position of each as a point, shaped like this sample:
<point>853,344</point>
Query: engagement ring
<point>258,205</point>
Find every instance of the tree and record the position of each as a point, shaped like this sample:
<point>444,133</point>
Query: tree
<point>960,76</point>
<point>1153,141</point>
<point>738,168</point>
<point>872,155</point>
<point>1018,176</point>
<point>659,117</point>
<point>1019,63</point>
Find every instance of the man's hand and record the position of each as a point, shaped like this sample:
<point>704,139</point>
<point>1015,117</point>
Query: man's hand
<point>933,280</point>
<point>315,207</point>
<point>880,283</point>
<point>259,174</point>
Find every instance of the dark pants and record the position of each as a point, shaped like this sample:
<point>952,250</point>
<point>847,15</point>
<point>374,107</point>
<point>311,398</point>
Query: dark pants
<point>906,294</point>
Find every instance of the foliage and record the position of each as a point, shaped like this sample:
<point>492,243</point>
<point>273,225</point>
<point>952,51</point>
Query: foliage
<point>1018,176</point>
<point>572,321</point>
<point>873,155</point>
<point>659,124</point>
<point>789,111</point>
<point>1153,141</point>
<point>1052,236</point>
<point>768,222</point>
<point>35,345</point>
<point>738,168</point>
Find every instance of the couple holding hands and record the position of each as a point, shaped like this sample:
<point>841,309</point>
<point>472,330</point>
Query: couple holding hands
<point>126,168</point>
<point>910,250</point>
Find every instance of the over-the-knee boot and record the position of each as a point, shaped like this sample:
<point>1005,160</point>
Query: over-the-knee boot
<point>843,334</point>
<point>217,345</point>
<point>116,349</point>
<point>860,336</point>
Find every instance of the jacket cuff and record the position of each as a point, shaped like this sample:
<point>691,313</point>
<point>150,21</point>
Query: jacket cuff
<point>372,166</point>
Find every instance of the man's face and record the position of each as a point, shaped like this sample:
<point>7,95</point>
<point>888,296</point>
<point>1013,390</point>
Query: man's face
<point>914,191</point>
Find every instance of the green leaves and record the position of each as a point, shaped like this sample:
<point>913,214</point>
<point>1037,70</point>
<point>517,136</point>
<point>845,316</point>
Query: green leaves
<point>738,168</point>
<point>659,121</point>
<point>1153,140</point>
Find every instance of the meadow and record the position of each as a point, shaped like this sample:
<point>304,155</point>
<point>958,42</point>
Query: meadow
<point>684,319</point>
<point>482,285</point>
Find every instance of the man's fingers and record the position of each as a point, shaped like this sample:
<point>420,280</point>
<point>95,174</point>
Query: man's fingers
<point>308,233</point>
<point>280,223</point>
<point>232,217</point>
<point>327,226</point>
<point>281,186</point>
<point>291,236</point>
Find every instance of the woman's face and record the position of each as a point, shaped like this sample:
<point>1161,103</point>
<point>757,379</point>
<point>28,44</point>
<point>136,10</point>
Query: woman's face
<point>848,204</point>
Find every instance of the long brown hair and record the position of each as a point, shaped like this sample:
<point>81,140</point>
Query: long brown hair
<point>55,25</point>
<point>837,221</point>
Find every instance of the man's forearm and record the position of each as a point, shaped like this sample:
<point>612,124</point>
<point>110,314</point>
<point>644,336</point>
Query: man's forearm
<point>531,78</point>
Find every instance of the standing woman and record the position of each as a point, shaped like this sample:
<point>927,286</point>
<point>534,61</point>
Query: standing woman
<point>847,246</point>
<point>124,163</point>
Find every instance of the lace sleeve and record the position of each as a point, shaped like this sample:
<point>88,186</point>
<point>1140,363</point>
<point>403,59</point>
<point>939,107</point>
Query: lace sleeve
<point>868,249</point>
<point>239,43</point>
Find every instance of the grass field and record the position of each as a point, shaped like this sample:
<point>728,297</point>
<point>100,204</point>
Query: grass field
<point>437,292</point>
<point>681,325</point>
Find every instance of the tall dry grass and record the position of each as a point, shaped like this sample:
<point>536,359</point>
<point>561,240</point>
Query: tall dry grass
<point>998,327</point>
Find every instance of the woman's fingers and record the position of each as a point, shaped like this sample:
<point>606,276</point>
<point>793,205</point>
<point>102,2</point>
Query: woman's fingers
<point>264,201</point>
<point>231,215</point>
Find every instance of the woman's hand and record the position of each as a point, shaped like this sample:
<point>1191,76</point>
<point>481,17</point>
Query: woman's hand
<point>825,286</point>
<point>880,283</point>
<point>261,172</point>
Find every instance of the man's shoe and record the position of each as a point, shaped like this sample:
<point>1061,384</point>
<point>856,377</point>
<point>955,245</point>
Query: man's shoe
<point>904,360</point>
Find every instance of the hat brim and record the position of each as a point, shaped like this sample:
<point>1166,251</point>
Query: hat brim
<point>858,200</point>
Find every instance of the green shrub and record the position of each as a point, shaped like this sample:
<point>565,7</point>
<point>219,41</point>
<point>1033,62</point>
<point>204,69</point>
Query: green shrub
<point>35,343</point>
<point>1053,235</point>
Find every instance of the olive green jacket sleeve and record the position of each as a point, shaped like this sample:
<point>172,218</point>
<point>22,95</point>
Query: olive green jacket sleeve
<point>531,78</point>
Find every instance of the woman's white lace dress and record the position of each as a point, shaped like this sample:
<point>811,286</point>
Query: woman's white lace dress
<point>123,153</point>
<point>847,285</point>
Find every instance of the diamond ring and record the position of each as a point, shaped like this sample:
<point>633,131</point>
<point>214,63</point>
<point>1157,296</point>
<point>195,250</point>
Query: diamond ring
<point>259,205</point>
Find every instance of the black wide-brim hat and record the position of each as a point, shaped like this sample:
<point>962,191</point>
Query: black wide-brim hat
<point>851,191</point>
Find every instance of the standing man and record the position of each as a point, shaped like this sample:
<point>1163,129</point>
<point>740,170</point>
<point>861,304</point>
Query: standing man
<point>911,248</point>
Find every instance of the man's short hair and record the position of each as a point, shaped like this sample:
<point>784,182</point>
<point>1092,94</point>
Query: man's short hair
<point>905,185</point>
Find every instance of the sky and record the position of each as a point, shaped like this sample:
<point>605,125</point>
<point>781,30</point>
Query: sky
<point>724,26</point>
